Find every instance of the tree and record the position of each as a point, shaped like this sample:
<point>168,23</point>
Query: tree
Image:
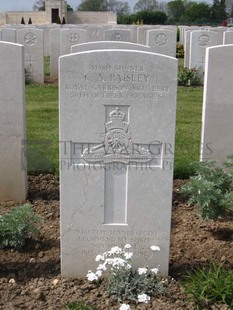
<point>197,11</point>
<point>93,5</point>
<point>119,7</point>
<point>39,5</point>
<point>218,11</point>
<point>162,6</point>
<point>229,7</point>
<point>151,17</point>
<point>176,10</point>
<point>146,5</point>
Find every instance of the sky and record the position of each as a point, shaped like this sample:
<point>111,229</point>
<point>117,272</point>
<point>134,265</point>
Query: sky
<point>26,5</point>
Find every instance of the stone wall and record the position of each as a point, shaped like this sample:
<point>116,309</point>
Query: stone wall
<point>40,17</point>
<point>13,18</point>
<point>83,17</point>
<point>2,18</point>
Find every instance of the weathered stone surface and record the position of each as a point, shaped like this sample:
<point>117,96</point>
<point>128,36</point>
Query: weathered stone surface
<point>117,128</point>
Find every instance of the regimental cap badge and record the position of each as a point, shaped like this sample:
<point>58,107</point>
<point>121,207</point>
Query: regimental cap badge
<point>116,121</point>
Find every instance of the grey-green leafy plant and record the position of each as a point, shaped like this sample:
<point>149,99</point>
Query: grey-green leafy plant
<point>210,188</point>
<point>17,226</point>
<point>189,77</point>
<point>179,50</point>
<point>28,76</point>
<point>208,286</point>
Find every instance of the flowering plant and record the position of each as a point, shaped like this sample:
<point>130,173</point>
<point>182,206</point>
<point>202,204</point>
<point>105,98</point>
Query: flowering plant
<point>124,282</point>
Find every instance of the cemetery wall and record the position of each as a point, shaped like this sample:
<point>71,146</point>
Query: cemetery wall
<point>2,18</point>
<point>12,18</point>
<point>91,17</point>
<point>15,17</point>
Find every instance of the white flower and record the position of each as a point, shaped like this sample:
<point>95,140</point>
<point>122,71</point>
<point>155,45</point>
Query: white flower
<point>115,250</point>
<point>142,270</point>
<point>101,267</point>
<point>91,276</point>
<point>128,266</point>
<point>154,270</point>
<point>99,257</point>
<point>128,255</point>
<point>109,261</point>
<point>124,307</point>
<point>119,262</point>
<point>155,248</point>
<point>98,273</point>
<point>127,246</point>
<point>143,298</point>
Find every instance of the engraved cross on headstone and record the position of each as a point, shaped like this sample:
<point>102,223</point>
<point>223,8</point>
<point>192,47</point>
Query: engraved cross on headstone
<point>118,154</point>
<point>29,59</point>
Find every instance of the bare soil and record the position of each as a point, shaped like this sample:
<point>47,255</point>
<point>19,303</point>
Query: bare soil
<point>31,279</point>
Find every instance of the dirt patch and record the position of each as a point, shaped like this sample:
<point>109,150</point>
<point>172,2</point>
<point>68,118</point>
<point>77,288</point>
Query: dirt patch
<point>31,279</point>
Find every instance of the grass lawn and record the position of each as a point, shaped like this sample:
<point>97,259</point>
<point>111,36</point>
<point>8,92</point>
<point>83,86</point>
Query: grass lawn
<point>42,128</point>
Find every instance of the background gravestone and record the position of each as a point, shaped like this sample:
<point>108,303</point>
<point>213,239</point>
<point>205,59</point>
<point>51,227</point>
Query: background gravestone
<point>217,115</point>
<point>69,37</point>
<point>117,128</point>
<point>9,35</point>
<point>199,41</point>
<point>162,41</point>
<point>108,45</point>
<point>13,173</point>
<point>95,33</point>
<point>33,41</point>
<point>228,37</point>
<point>117,35</point>
<point>54,51</point>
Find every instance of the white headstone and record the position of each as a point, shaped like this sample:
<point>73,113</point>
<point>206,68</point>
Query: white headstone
<point>219,34</point>
<point>117,128</point>
<point>69,37</point>
<point>217,115</point>
<point>9,35</point>
<point>141,33</point>
<point>162,41</point>
<point>117,35</point>
<point>228,37</point>
<point>33,41</point>
<point>95,33</point>
<point>13,169</point>
<point>108,45</point>
<point>187,48</point>
<point>199,41</point>
<point>54,51</point>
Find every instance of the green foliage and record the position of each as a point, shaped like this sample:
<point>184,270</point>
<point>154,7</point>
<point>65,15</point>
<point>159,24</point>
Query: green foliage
<point>196,11</point>
<point>189,77</point>
<point>176,9</point>
<point>208,286</point>
<point>17,226</point>
<point>28,76</point>
<point>179,50</point>
<point>151,18</point>
<point>210,188</point>
<point>93,5</point>
<point>78,306</point>
<point>218,10</point>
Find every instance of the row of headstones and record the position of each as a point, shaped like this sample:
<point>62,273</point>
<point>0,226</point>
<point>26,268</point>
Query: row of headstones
<point>61,40</point>
<point>117,130</point>
<point>197,39</point>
